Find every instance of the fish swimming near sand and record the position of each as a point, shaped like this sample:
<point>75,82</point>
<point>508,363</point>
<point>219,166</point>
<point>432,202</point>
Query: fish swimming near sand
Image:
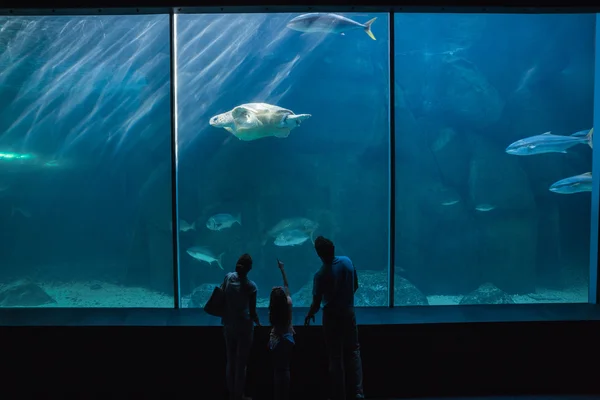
<point>573,184</point>
<point>549,143</point>
<point>328,23</point>
<point>204,254</point>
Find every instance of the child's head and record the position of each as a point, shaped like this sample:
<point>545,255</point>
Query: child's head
<point>279,315</point>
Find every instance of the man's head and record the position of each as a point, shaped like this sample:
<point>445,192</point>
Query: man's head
<point>325,249</point>
<point>243,265</point>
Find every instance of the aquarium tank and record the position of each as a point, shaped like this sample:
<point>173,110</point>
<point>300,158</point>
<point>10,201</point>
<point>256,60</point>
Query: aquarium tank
<point>282,127</point>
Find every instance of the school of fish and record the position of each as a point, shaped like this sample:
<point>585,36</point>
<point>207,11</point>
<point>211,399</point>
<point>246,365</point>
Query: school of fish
<point>288,232</point>
<point>550,143</point>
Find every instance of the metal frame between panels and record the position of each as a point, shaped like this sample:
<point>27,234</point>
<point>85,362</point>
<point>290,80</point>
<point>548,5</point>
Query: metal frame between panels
<point>392,162</point>
<point>174,158</point>
<point>594,295</point>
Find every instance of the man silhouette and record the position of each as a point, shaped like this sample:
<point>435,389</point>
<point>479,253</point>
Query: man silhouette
<point>334,285</point>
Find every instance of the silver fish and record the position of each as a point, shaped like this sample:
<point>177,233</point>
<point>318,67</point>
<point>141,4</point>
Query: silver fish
<point>573,184</point>
<point>549,143</point>
<point>20,210</point>
<point>300,223</point>
<point>223,221</point>
<point>484,207</point>
<point>449,202</point>
<point>203,254</point>
<point>185,226</point>
<point>328,23</point>
<point>291,238</point>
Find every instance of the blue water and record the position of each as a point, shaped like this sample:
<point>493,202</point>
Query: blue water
<point>85,190</point>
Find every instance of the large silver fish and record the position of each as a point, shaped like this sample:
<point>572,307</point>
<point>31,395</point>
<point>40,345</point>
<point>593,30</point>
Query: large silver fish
<point>223,221</point>
<point>300,223</point>
<point>203,254</point>
<point>549,143</point>
<point>328,23</point>
<point>291,238</point>
<point>573,184</point>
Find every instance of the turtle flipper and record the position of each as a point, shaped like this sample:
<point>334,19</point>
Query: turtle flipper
<point>282,133</point>
<point>293,121</point>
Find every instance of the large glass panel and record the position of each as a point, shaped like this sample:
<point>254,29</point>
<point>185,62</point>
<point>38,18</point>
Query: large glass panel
<point>265,179</point>
<point>490,209</point>
<point>84,162</point>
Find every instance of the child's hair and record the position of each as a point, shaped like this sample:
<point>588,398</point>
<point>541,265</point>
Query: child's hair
<point>279,315</point>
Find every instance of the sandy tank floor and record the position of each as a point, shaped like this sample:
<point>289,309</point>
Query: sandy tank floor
<point>101,294</point>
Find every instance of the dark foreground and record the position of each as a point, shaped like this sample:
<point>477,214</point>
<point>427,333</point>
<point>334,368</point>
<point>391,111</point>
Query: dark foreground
<point>412,360</point>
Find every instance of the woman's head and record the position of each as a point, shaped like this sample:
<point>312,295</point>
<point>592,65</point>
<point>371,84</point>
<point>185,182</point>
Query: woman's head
<point>243,265</point>
<point>279,314</point>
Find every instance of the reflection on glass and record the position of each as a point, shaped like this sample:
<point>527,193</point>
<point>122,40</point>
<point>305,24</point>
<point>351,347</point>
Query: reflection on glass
<point>492,209</point>
<point>85,204</point>
<point>283,136</point>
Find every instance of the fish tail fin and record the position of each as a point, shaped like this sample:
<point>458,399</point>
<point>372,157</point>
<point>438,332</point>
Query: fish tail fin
<point>368,28</point>
<point>238,218</point>
<point>219,261</point>
<point>193,226</point>
<point>590,138</point>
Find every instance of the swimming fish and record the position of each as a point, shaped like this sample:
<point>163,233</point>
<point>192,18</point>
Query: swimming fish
<point>328,23</point>
<point>449,202</point>
<point>484,207</point>
<point>549,143</point>
<point>573,184</point>
<point>184,226</point>
<point>22,211</point>
<point>300,223</point>
<point>203,254</point>
<point>291,238</point>
<point>222,221</point>
<point>52,163</point>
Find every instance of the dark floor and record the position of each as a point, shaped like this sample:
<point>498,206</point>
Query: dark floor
<point>364,315</point>
<point>564,397</point>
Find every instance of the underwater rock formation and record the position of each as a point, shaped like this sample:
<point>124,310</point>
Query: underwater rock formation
<point>199,297</point>
<point>151,251</point>
<point>468,96</point>
<point>372,292</point>
<point>407,294</point>
<point>487,294</point>
<point>24,294</point>
<point>201,294</point>
<point>436,236</point>
<point>509,231</point>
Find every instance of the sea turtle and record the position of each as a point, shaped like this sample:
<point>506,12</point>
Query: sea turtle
<point>254,121</point>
